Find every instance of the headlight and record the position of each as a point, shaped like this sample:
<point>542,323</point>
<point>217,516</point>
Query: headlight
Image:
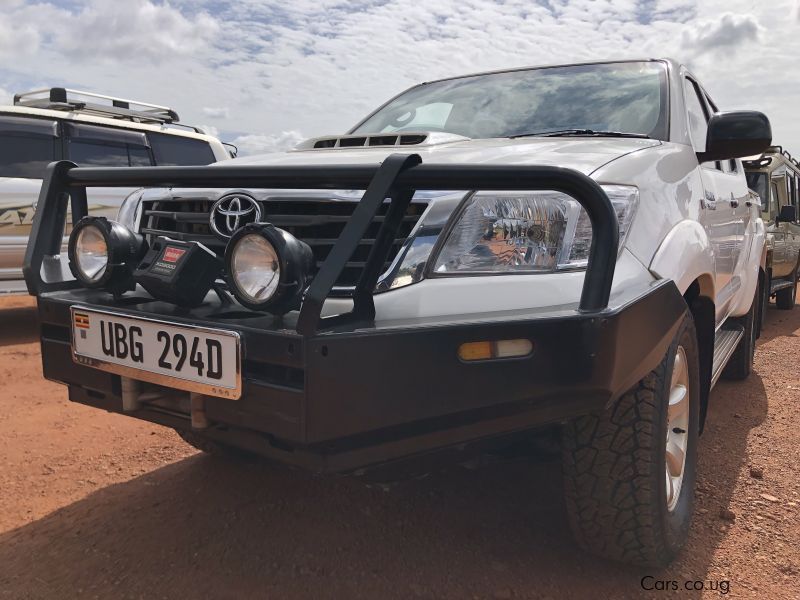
<point>526,232</point>
<point>103,254</point>
<point>268,268</point>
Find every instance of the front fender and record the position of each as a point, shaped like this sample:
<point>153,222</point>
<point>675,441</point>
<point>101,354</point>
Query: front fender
<point>685,255</point>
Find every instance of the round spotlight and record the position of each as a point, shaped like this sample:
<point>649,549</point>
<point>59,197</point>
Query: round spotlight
<point>256,268</point>
<point>267,268</point>
<point>91,253</point>
<point>103,254</point>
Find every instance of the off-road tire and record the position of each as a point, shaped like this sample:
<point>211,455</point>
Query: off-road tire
<point>614,468</point>
<point>786,298</point>
<point>209,446</point>
<point>740,364</point>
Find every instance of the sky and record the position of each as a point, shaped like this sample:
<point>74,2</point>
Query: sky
<point>266,75</point>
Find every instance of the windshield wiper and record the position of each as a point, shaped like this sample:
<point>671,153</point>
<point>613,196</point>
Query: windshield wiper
<point>580,132</point>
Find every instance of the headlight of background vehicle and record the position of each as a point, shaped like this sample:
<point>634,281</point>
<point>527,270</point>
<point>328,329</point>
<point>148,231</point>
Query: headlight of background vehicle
<point>526,232</point>
<point>130,211</point>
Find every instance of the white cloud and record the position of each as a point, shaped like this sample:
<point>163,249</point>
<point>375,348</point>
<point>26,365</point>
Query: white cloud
<point>106,31</point>
<point>210,130</point>
<point>266,143</point>
<point>216,113</point>
<point>274,68</point>
<point>17,39</point>
<point>726,33</point>
<point>133,30</point>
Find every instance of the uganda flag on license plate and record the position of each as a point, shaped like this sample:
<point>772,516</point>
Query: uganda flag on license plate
<point>81,320</point>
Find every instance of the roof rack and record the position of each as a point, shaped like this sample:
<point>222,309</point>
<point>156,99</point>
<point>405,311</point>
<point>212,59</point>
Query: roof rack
<point>115,108</point>
<point>765,160</point>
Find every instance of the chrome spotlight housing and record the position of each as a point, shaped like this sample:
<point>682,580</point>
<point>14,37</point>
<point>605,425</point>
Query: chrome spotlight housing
<point>267,268</point>
<point>103,254</point>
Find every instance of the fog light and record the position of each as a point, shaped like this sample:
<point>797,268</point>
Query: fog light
<point>268,268</point>
<point>103,254</point>
<point>474,351</point>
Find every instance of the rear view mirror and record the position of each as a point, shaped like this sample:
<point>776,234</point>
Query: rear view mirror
<point>788,214</point>
<point>736,134</point>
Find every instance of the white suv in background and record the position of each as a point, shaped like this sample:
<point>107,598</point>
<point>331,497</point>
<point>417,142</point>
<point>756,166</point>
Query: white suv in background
<point>91,130</point>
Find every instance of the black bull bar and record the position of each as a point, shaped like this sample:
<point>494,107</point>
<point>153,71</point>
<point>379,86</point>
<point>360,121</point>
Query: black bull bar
<point>397,178</point>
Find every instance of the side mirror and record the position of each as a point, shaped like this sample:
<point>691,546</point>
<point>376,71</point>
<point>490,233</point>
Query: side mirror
<point>788,214</point>
<point>736,134</point>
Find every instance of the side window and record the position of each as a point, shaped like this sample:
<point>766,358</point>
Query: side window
<point>774,204</point>
<point>27,146</point>
<point>24,155</point>
<point>726,166</point>
<point>177,151</point>
<point>139,157</point>
<point>95,154</point>
<point>698,118</point>
<point>796,201</point>
<point>93,146</point>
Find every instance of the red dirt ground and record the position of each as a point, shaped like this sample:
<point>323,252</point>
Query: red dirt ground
<point>96,505</point>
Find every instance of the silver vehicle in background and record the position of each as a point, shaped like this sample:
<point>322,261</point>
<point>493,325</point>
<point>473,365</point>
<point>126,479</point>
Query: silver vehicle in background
<point>91,130</point>
<point>775,176</point>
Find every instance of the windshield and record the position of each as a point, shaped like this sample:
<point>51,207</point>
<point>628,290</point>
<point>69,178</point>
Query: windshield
<point>619,97</point>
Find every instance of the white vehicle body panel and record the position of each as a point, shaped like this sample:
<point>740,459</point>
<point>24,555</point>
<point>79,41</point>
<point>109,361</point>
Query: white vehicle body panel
<point>684,256</point>
<point>582,154</point>
<point>472,295</point>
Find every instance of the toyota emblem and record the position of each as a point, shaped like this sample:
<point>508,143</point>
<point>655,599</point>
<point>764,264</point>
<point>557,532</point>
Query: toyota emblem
<point>233,211</point>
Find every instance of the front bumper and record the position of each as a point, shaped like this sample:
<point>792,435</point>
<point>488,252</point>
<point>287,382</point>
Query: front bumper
<point>362,395</point>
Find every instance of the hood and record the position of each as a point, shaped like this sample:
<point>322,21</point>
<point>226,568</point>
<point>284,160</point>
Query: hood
<point>580,153</point>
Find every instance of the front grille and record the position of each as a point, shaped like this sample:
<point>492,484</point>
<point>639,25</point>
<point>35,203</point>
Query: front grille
<point>317,222</point>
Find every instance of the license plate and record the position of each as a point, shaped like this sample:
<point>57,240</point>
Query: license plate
<point>196,359</point>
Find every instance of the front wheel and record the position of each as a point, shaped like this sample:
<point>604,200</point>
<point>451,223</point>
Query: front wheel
<point>629,471</point>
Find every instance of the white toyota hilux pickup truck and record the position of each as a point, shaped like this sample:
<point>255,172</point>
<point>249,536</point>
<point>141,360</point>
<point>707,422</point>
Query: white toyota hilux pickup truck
<point>571,247</point>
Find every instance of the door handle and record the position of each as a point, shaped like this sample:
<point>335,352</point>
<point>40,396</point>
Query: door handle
<point>734,201</point>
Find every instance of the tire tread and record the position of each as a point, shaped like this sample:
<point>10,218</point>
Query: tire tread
<point>610,473</point>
